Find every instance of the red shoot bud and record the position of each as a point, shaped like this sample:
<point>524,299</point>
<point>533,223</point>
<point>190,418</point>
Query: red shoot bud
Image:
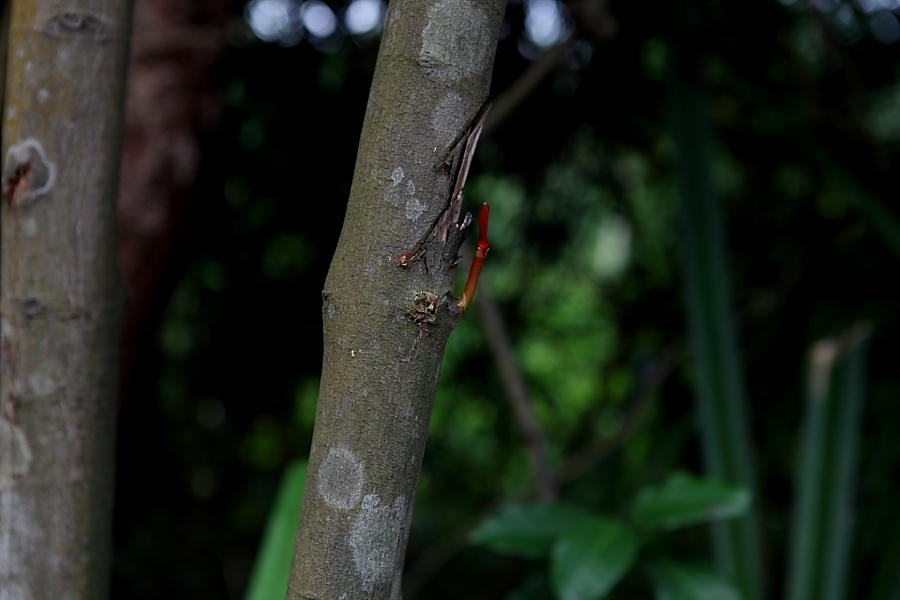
<point>481,251</point>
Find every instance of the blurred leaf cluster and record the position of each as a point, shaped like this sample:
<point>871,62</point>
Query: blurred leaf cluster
<point>590,553</point>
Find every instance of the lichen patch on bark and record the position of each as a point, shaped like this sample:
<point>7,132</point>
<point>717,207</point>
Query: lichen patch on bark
<point>376,537</point>
<point>340,479</point>
<point>447,128</point>
<point>448,54</point>
<point>401,191</point>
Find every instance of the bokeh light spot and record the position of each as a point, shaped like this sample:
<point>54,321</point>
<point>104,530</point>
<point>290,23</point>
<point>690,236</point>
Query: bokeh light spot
<point>544,22</point>
<point>363,16</point>
<point>319,19</point>
<point>270,20</point>
<point>870,6</point>
<point>885,27</point>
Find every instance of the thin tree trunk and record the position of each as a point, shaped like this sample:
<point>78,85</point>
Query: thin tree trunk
<point>60,296</point>
<point>386,327</point>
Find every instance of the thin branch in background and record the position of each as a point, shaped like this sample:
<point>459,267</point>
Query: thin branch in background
<point>498,338</point>
<point>519,398</point>
<point>445,549</point>
<point>437,554</point>
<point>521,88</point>
<point>580,462</point>
<point>593,18</point>
<point>516,388</point>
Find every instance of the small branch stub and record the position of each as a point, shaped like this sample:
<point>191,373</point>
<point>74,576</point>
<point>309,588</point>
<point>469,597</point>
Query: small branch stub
<point>74,25</point>
<point>481,251</point>
<point>27,173</point>
<point>424,310</point>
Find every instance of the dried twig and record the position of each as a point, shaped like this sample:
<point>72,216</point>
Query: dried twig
<point>521,88</point>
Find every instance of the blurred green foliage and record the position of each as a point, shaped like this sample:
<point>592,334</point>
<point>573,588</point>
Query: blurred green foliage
<point>589,554</point>
<point>584,266</point>
<point>272,566</point>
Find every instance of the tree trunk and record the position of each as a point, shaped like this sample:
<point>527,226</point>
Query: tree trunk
<point>385,327</point>
<point>61,297</point>
<point>170,107</point>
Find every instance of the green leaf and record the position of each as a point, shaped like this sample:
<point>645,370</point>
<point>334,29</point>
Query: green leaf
<point>272,569</point>
<point>684,500</point>
<point>589,560</point>
<point>528,530</point>
<point>675,580</point>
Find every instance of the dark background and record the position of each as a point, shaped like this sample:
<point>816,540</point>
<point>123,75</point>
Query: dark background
<point>220,395</point>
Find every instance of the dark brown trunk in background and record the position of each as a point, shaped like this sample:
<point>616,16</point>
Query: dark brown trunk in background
<point>171,106</point>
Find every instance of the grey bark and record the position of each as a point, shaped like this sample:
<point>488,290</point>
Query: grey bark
<point>383,344</point>
<point>60,296</point>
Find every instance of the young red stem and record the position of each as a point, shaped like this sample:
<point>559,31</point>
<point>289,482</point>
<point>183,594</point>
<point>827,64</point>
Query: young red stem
<point>481,251</point>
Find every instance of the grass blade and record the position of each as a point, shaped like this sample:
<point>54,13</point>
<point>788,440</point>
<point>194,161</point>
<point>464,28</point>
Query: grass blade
<point>820,546</point>
<point>719,378</point>
<point>269,578</point>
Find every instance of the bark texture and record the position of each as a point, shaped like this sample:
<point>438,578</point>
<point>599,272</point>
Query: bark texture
<point>60,296</point>
<point>386,327</point>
